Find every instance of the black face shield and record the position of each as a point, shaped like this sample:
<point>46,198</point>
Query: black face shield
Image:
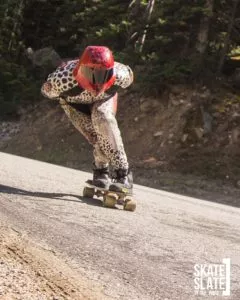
<point>96,75</point>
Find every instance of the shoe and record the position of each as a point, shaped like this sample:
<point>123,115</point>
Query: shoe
<point>101,178</point>
<point>123,181</point>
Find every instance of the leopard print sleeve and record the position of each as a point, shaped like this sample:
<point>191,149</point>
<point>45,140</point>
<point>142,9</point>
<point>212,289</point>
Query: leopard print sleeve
<point>124,75</point>
<point>60,81</point>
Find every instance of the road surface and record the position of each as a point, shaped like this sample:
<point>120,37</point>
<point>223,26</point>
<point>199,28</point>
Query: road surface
<point>111,253</point>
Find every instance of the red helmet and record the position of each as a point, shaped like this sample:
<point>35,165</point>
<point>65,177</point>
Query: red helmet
<point>95,69</point>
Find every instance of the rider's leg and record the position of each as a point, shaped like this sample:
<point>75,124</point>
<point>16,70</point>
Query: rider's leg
<point>83,123</point>
<point>110,140</point>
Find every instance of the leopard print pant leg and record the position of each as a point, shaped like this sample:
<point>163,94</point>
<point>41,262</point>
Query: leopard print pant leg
<point>100,159</point>
<point>108,133</point>
<point>83,123</point>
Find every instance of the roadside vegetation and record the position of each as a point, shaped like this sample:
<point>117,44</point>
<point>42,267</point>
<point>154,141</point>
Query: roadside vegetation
<point>165,42</point>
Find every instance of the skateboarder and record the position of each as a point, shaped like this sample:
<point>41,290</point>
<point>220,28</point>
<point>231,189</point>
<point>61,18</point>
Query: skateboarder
<point>86,89</point>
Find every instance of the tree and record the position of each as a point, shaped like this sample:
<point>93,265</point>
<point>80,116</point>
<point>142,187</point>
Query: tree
<point>11,25</point>
<point>227,38</point>
<point>147,17</point>
<point>203,34</point>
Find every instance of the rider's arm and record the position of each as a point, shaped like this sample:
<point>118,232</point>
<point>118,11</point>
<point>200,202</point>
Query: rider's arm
<point>60,81</point>
<point>124,75</point>
<point>48,91</point>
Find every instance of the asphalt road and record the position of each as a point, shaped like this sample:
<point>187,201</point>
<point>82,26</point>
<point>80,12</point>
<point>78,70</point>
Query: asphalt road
<point>146,254</point>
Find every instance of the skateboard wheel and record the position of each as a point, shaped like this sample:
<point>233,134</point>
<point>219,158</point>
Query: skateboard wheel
<point>129,205</point>
<point>88,192</point>
<point>110,200</point>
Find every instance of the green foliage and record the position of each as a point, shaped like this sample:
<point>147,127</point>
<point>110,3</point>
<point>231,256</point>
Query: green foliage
<point>167,53</point>
<point>151,80</point>
<point>17,87</point>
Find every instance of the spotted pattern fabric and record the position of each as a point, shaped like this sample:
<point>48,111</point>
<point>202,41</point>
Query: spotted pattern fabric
<point>62,80</point>
<point>100,128</point>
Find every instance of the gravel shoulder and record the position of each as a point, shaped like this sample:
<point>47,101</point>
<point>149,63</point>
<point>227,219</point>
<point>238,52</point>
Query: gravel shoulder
<point>31,272</point>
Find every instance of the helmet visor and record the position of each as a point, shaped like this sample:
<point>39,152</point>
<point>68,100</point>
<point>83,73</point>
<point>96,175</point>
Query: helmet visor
<point>95,75</point>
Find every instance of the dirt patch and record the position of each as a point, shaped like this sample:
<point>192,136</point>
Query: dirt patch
<point>31,272</point>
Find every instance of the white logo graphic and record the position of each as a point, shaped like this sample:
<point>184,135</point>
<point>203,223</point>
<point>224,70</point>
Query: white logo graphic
<point>212,279</point>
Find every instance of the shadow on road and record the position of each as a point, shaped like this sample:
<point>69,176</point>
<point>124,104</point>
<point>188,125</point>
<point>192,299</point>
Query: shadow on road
<point>60,196</point>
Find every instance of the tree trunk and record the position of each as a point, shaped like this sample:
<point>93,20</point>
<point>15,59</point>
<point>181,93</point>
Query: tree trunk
<point>202,38</point>
<point>147,18</point>
<point>133,15</point>
<point>16,24</point>
<point>227,37</point>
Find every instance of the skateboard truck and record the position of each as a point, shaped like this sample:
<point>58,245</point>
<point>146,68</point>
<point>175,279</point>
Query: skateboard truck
<point>110,198</point>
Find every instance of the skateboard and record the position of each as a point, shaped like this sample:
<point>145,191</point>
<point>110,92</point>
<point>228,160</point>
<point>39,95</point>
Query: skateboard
<point>110,198</point>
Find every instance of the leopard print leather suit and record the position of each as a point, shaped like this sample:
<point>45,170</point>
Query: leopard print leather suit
<point>99,125</point>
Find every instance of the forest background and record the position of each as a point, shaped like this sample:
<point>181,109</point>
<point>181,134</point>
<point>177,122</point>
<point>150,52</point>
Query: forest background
<point>169,41</point>
<point>194,45</point>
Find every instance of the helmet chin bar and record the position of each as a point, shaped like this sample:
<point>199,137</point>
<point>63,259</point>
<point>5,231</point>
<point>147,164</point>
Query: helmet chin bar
<point>95,91</point>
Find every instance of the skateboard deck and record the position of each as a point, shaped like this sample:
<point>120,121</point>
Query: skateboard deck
<point>110,198</point>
